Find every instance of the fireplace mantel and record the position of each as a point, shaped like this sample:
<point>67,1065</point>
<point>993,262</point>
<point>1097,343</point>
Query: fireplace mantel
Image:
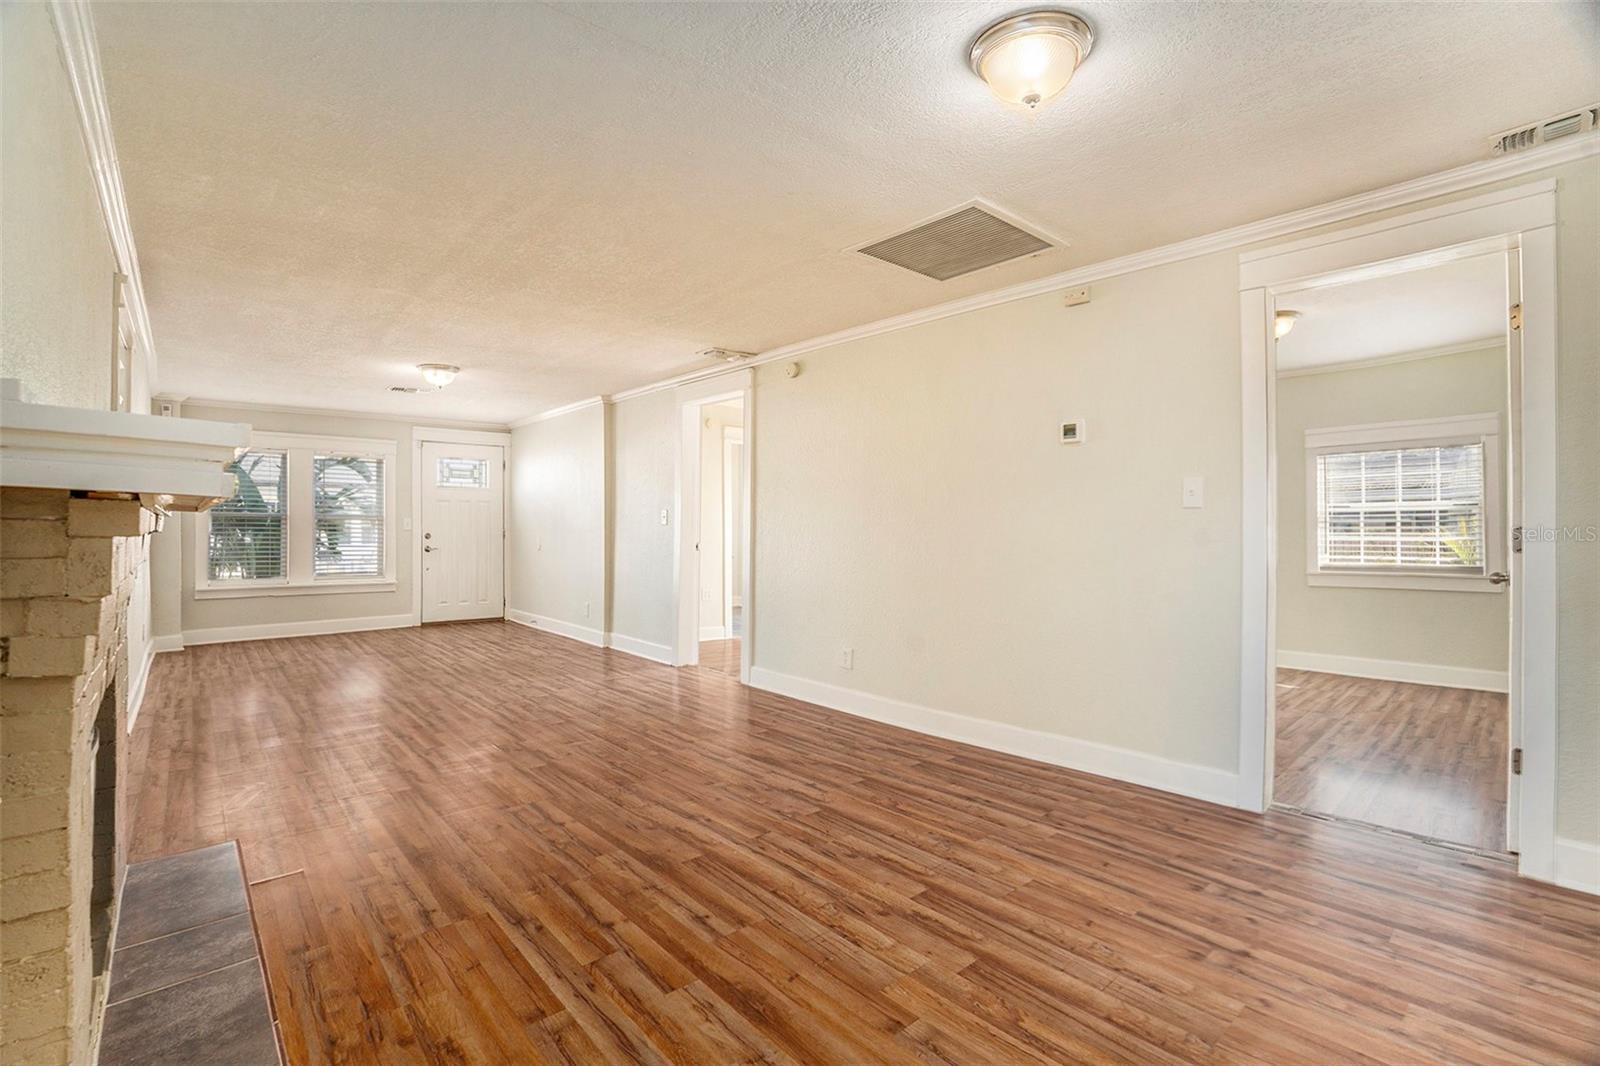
<point>174,464</point>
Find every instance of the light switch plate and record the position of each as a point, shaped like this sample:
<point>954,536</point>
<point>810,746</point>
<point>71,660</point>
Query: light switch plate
<point>1194,492</point>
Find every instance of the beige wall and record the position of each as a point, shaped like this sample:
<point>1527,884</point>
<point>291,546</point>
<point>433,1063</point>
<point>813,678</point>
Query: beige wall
<point>1460,629</point>
<point>911,503</point>
<point>643,446</point>
<point>210,614</point>
<point>556,557</point>
<point>55,256</point>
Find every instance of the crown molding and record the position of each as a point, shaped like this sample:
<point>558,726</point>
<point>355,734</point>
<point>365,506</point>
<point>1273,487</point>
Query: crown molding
<point>1402,194</point>
<point>335,412</point>
<point>80,54</point>
<point>557,412</point>
<point>1415,356</point>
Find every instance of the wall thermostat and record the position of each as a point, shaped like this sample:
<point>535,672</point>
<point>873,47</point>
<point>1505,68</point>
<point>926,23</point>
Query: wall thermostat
<point>1072,432</point>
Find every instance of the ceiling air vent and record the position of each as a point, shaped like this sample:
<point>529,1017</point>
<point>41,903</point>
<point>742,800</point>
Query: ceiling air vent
<point>967,239</point>
<point>1524,137</point>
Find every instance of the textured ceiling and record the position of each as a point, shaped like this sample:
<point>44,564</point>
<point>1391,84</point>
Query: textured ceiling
<point>573,199</point>
<point>1436,307</point>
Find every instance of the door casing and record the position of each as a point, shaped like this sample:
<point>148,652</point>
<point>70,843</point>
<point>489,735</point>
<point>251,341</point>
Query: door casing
<point>447,435</point>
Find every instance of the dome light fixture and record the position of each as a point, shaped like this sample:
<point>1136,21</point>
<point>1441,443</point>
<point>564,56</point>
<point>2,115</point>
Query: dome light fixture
<point>1282,323</point>
<point>438,374</point>
<point>1027,59</point>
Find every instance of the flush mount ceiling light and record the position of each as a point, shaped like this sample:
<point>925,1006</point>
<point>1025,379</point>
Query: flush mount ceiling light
<point>727,355</point>
<point>1028,58</point>
<point>438,374</point>
<point>1283,322</point>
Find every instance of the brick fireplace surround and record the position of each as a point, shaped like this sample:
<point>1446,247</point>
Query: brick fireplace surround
<point>68,565</point>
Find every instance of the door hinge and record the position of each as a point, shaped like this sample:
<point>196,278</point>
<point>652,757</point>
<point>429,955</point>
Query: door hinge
<point>1516,760</point>
<point>1516,316</point>
<point>1516,540</point>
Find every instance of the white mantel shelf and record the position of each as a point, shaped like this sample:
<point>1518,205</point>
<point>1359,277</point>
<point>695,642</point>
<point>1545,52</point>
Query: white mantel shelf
<point>174,463</point>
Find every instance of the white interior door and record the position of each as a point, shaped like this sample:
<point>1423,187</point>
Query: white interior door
<point>463,531</point>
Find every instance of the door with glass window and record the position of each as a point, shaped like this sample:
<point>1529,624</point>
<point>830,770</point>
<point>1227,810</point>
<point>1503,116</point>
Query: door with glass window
<point>462,541</point>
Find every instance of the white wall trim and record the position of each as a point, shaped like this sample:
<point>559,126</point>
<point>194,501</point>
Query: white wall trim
<point>1577,865</point>
<point>276,630</point>
<point>80,54</point>
<point>570,630</point>
<point>1482,344</point>
<point>167,642</point>
<point>1396,670</point>
<point>557,412</point>
<point>644,649</point>
<point>1444,183</point>
<point>1121,764</point>
<point>139,678</point>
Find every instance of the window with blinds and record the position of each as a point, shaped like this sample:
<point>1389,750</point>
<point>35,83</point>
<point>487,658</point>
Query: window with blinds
<point>348,515</point>
<point>247,540</point>
<point>1418,508</point>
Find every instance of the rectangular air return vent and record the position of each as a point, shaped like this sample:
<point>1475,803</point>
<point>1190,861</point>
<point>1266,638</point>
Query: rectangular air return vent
<point>965,240</point>
<point>1525,137</point>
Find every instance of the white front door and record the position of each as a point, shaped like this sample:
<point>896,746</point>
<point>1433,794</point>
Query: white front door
<point>463,531</point>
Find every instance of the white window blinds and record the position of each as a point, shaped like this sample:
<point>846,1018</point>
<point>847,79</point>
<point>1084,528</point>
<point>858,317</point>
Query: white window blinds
<point>247,538</point>
<point>1402,508</point>
<point>349,510</point>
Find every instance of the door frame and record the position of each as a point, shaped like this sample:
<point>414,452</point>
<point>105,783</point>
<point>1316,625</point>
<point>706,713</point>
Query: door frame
<point>1519,221</point>
<point>691,400</point>
<point>732,437</point>
<point>421,435</point>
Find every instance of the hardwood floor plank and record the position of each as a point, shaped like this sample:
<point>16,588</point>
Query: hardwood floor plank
<point>481,843</point>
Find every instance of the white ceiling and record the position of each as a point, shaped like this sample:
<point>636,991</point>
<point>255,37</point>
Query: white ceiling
<point>571,200</point>
<point>1436,307</point>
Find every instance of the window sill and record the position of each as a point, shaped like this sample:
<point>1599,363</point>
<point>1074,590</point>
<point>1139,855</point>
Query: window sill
<point>1372,579</point>
<point>235,592</point>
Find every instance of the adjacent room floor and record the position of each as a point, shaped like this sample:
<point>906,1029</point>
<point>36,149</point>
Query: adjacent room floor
<point>482,843</point>
<point>1418,758</point>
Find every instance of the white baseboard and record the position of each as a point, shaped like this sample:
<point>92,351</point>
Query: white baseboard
<point>276,630</point>
<point>571,630</point>
<point>1577,865</point>
<point>659,653</point>
<point>139,677</point>
<point>1122,764</point>
<point>169,642</point>
<point>1396,670</point>
<point>713,633</point>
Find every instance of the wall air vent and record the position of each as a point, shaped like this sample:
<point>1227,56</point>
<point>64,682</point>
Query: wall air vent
<point>967,239</point>
<point>1525,137</point>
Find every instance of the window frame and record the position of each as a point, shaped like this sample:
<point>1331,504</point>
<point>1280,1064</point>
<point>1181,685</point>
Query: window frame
<point>1482,429</point>
<point>300,521</point>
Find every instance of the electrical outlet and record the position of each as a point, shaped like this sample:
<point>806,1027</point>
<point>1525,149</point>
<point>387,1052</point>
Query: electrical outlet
<point>586,610</point>
<point>847,659</point>
<point>663,516</point>
<point>1194,491</point>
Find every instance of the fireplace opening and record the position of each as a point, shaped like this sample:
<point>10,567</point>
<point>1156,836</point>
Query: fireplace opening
<point>103,741</point>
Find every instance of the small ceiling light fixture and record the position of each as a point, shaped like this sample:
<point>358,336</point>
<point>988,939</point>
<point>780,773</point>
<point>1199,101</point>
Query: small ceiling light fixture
<point>1282,323</point>
<point>438,374</point>
<point>1026,59</point>
<point>727,355</point>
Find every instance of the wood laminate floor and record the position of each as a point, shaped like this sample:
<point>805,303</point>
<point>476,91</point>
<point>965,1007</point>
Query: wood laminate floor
<point>480,843</point>
<point>721,656</point>
<point>1418,758</point>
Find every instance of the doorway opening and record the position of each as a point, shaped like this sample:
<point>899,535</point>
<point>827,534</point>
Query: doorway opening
<point>1393,436</point>
<point>713,565</point>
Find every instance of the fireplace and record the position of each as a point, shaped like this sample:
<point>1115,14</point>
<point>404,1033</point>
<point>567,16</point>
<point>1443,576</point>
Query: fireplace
<point>82,493</point>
